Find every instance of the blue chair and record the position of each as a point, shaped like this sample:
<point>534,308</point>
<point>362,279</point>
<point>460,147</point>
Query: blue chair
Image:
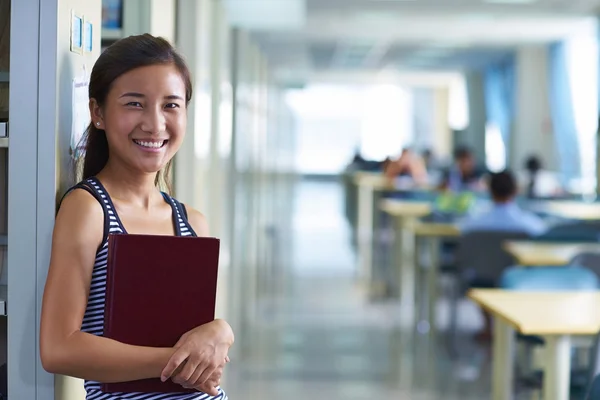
<point>594,392</point>
<point>572,231</point>
<point>549,279</point>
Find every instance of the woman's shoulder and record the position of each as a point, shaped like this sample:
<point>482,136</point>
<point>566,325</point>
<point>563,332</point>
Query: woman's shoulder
<point>79,201</point>
<point>197,220</point>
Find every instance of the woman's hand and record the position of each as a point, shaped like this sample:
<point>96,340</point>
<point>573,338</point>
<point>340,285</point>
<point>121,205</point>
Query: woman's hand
<point>200,354</point>
<point>211,385</point>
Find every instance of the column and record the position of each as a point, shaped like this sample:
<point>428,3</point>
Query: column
<point>190,165</point>
<point>443,141</point>
<point>474,135</point>
<point>424,118</point>
<point>156,17</point>
<point>532,132</point>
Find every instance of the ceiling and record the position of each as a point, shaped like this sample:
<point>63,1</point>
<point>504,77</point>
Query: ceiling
<point>342,36</point>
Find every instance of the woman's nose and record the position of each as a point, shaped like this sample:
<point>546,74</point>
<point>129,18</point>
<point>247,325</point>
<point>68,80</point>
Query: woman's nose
<point>154,121</point>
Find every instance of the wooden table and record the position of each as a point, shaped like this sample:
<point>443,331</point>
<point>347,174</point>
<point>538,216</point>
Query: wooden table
<point>406,214</point>
<point>569,209</point>
<point>532,253</point>
<point>433,232</point>
<point>368,184</point>
<point>555,316</point>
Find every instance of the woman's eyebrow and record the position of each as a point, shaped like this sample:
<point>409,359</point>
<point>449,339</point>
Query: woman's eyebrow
<point>132,94</point>
<point>140,95</point>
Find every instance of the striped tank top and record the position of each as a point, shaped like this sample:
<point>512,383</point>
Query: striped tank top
<point>93,320</point>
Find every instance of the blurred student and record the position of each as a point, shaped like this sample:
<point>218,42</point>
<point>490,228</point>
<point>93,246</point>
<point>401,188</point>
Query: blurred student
<point>408,164</point>
<point>504,214</point>
<point>464,175</point>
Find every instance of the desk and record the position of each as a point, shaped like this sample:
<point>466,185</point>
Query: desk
<point>555,316</point>
<point>532,253</point>
<point>405,215</point>
<point>569,209</point>
<point>433,232</point>
<point>368,184</point>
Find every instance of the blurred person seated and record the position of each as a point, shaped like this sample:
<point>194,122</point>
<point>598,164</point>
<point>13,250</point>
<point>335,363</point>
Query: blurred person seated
<point>464,175</point>
<point>504,214</point>
<point>359,163</point>
<point>537,182</point>
<point>408,164</point>
<point>428,159</point>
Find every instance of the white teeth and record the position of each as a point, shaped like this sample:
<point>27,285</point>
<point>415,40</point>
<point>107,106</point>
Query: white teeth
<point>154,145</point>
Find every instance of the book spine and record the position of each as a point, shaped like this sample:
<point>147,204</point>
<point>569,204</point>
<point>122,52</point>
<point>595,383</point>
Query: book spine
<point>110,281</point>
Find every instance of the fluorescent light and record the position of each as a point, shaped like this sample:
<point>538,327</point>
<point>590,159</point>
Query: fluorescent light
<point>510,1</point>
<point>266,14</point>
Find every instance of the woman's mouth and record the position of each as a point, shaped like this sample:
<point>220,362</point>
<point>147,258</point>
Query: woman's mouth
<point>150,144</point>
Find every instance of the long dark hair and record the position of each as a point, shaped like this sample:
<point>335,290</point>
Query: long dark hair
<point>121,57</point>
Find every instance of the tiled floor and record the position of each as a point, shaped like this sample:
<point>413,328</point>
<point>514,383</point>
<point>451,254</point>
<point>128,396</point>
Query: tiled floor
<point>322,338</point>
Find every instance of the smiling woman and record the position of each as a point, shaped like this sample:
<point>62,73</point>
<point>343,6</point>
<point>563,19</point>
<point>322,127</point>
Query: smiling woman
<point>131,98</point>
<point>139,91</point>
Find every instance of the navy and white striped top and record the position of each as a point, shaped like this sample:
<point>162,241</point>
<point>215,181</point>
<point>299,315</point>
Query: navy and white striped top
<point>93,320</point>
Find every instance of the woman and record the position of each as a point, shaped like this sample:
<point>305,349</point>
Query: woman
<point>408,164</point>
<point>139,91</point>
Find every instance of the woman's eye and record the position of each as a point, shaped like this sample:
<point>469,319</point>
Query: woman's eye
<point>134,104</point>
<point>172,105</point>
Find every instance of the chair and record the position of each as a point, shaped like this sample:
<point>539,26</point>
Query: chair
<point>580,231</point>
<point>594,391</point>
<point>481,260</point>
<point>549,279</point>
<point>481,255</point>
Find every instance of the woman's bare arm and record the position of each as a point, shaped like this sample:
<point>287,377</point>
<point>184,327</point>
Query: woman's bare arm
<point>64,348</point>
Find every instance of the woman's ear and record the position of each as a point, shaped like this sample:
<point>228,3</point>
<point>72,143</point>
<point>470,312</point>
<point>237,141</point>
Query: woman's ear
<point>96,114</point>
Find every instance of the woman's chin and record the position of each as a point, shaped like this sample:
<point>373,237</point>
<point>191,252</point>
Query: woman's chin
<point>151,169</point>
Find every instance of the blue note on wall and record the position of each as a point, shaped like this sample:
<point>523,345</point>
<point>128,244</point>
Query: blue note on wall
<point>88,35</point>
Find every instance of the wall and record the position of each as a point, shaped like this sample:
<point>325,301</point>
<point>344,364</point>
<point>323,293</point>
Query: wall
<point>70,65</point>
<point>532,132</point>
<point>42,80</point>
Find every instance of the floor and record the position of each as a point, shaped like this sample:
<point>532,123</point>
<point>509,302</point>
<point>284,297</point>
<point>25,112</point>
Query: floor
<point>321,338</point>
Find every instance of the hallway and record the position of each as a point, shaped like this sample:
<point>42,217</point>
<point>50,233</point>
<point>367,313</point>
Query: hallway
<point>320,338</point>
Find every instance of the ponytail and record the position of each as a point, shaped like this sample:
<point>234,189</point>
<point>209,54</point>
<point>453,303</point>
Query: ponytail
<point>96,151</point>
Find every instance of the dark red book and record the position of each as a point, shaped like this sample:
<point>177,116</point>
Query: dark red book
<point>157,289</point>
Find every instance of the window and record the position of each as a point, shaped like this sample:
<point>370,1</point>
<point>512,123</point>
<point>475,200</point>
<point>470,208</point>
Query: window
<point>582,64</point>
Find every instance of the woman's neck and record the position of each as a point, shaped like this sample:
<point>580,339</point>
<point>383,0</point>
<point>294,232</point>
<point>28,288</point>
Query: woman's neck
<point>129,186</point>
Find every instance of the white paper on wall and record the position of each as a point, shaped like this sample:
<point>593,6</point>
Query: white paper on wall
<point>81,115</point>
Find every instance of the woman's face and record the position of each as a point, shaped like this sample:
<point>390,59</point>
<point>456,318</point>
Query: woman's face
<point>144,117</point>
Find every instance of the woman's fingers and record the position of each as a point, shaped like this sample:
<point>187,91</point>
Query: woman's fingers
<point>213,380</point>
<point>208,388</point>
<point>187,372</point>
<point>207,373</point>
<point>174,362</point>
<point>192,381</point>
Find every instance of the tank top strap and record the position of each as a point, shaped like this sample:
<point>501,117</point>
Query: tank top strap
<point>182,226</point>
<point>112,224</point>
